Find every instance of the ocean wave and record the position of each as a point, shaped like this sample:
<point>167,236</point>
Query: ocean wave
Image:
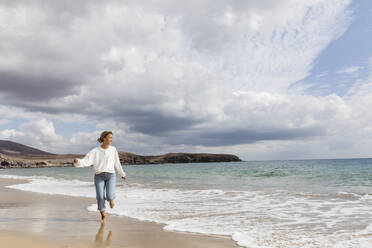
<point>252,218</point>
<point>269,174</point>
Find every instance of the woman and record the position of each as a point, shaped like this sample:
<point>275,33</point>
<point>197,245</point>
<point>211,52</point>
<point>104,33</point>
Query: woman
<point>103,158</point>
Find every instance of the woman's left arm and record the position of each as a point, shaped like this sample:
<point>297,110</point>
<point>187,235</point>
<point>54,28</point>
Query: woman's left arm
<point>118,165</point>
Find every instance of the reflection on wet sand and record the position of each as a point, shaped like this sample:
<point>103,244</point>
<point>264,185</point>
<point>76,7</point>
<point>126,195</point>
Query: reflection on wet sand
<point>99,237</point>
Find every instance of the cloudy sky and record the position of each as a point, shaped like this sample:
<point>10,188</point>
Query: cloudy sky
<point>263,79</point>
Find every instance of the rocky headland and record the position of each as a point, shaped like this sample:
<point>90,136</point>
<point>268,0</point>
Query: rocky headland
<point>15,155</point>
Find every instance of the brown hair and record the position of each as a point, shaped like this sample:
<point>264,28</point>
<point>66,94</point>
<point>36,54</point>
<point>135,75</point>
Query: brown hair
<point>103,136</point>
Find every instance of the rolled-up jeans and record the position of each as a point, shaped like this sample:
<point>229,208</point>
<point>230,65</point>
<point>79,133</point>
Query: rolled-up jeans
<point>105,183</point>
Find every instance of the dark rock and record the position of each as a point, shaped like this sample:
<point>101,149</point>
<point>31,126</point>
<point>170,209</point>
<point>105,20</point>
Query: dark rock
<point>5,163</point>
<point>14,155</point>
<point>130,158</point>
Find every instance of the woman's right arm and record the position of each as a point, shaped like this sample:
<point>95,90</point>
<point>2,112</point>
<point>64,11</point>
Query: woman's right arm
<point>87,161</point>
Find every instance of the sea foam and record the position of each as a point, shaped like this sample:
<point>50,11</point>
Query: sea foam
<point>251,218</point>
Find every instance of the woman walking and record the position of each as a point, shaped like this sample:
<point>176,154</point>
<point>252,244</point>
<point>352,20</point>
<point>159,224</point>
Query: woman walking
<point>104,159</point>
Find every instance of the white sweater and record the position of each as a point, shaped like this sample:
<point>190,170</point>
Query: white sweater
<point>103,160</point>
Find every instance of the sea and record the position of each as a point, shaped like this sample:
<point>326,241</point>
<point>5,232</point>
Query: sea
<point>286,204</point>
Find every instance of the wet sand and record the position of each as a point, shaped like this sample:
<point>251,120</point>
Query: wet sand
<point>39,220</point>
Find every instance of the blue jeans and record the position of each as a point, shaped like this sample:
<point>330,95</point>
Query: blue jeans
<point>104,181</point>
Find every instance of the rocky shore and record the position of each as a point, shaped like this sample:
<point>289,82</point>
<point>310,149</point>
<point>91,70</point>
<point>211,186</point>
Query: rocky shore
<point>169,158</point>
<point>126,158</point>
<point>7,162</point>
<point>15,155</point>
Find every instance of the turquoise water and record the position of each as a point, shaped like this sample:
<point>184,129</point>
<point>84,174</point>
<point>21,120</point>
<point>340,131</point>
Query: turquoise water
<point>327,176</point>
<point>303,203</point>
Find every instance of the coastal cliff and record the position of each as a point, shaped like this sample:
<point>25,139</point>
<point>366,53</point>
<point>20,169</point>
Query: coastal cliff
<point>130,158</point>
<point>15,155</point>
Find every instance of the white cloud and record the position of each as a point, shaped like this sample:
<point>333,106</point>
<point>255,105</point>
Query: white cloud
<point>263,109</point>
<point>166,75</point>
<point>5,121</point>
<point>41,134</point>
<point>10,134</point>
<point>349,70</point>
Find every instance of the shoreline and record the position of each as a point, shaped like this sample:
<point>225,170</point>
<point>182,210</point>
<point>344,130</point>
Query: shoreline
<point>65,220</point>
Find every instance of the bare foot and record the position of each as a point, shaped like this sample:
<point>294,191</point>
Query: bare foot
<point>112,204</point>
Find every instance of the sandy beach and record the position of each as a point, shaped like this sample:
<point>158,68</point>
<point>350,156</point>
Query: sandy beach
<point>40,220</point>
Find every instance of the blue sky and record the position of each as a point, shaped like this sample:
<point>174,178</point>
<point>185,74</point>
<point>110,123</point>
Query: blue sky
<point>271,79</point>
<point>351,50</point>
